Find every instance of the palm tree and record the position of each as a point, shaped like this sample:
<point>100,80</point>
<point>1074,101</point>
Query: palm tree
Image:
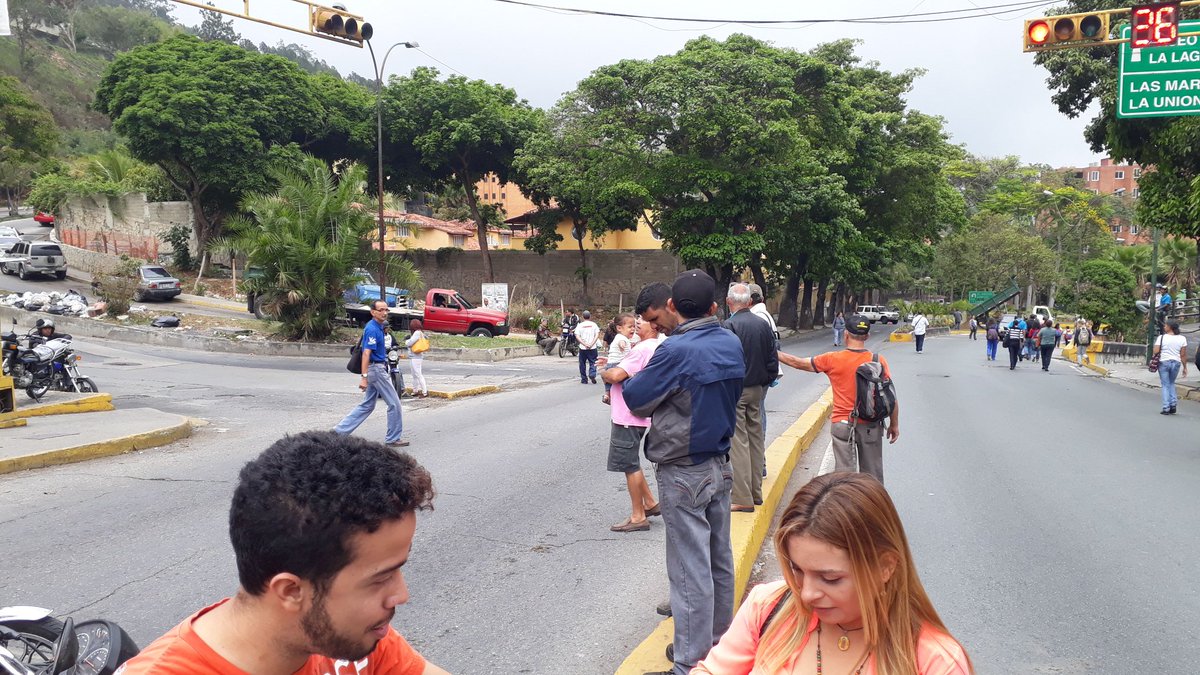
<point>307,238</point>
<point>1134,258</point>
<point>110,165</point>
<point>1177,261</point>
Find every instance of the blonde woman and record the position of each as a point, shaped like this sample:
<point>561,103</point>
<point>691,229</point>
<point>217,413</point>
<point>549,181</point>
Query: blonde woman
<point>850,600</point>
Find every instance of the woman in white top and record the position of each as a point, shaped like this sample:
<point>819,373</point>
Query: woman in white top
<point>1171,349</point>
<point>416,359</point>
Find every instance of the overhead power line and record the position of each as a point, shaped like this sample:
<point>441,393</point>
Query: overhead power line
<point>974,12</point>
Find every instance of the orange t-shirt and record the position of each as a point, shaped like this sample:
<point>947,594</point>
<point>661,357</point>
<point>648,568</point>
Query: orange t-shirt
<point>839,367</point>
<point>182,652</point>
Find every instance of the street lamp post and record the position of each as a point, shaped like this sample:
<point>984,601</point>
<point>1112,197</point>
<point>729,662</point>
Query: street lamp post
<point>379,66</point>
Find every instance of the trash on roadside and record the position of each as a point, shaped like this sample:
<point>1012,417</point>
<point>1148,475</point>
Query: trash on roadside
<point>165,322</point>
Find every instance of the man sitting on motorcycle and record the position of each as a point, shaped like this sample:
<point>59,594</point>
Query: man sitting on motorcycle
<point>45,330</point>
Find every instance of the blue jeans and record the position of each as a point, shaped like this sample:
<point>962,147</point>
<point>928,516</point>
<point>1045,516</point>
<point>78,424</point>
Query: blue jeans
<point>695,511</point>
<point>837,336</point>
<point>379,385</point>
<point>1167,372</point>
<point>587,356</point>
<point>991,349</point>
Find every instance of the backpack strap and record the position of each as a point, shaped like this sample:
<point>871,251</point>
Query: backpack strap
<point>774,610</point>
<point>875,358</point>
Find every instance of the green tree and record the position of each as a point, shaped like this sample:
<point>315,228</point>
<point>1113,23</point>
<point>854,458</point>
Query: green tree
<point>27,136</point>
<point>1105,293</point>
<point>213,26</point>
<point>1085,79</point>
<point>212,116</point>
<point>1177,262</point>
<point>453,132</point>
<point>308,238</point>
<point>117,29</point>
<point>990,251</point>
<point>562,170</point>
<point>1136,259</point>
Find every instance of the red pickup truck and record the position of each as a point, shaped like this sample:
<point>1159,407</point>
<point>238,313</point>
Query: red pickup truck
<point>445,311</point>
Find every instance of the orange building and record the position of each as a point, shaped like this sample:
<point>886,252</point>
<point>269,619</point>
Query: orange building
<point>1106,178</point>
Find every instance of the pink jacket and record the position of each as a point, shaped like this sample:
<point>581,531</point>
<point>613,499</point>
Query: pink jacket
<point>937,653</point>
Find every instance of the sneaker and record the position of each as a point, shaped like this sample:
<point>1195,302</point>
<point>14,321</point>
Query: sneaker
<point>397,444</point>
<point>1171,411</point>
<point>664,608</point>
<point>1164,411</point>
<point>593,380</point>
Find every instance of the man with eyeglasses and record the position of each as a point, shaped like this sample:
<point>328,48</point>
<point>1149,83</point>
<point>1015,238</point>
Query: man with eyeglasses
<point>375,382</point>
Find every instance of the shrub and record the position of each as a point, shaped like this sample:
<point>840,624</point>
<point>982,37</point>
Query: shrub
<point>1105,295</point>
<point>117,288</point>
<point>526,312</point>
<point>180,239</point>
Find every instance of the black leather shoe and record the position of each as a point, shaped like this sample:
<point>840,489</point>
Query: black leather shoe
<point>664,608</point>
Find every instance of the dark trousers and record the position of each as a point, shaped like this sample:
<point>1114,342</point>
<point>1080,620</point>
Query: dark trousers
<point>587,364</point>
<point>973,333</point>
<point>920,342</point>
<point>1047,354</point>
<point>1014,355</point>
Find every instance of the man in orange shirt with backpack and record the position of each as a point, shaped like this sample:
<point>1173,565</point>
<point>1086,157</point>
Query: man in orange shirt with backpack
<point>856,427</point>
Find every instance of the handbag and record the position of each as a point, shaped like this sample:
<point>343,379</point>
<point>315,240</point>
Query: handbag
<point>420,346</point>
<point>354,365</point>
<point>1155,360</point>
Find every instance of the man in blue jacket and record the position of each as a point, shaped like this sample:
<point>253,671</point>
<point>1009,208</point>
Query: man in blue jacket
<point>690,390</point>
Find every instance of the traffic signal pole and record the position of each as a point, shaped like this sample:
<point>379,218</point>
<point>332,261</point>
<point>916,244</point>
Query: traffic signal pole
<point>362,32</point>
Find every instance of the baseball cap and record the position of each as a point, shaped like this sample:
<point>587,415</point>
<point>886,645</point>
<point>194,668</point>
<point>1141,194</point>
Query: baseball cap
<point>693,293</point>
<point>857,324</point>
<point>755,288</point>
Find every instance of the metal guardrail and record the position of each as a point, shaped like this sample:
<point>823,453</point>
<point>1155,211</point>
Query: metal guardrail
<point>1186,311</point>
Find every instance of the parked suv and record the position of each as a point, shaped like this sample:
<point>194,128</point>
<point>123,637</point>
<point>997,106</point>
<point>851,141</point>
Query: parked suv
<point>28,258</point>
<point>878,313</point>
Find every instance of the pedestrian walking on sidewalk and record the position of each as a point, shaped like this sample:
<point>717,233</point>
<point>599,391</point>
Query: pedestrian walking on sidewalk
<point>375,383</point>
<point>690,389</point>
<point>857,443</point>
<point>920,324</point>
<point>1014,340</point>
<point>974,328</point>
<point>847,571</point>
<point>1047,338</point>
<point>628,430</point>
<point>748,455</point>
<point>417,344</point>
<point>993,339</point>
<point>1171,350</point>
<point>1082,337</point>
<point>587,333</point>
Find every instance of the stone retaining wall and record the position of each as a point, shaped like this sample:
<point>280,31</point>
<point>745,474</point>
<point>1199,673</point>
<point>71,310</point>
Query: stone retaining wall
<point>114,226</point>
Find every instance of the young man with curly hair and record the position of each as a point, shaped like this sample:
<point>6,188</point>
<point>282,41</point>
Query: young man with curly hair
<point>321,526</point>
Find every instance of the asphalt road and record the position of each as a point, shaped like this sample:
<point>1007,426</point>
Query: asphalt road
<point>515,570</point>
<point>1051,516</point>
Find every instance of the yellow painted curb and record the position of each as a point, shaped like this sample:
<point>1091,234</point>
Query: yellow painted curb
<point>1099,369</point>
<point>900,337</point>
<point>108,448</point>
<point>460,393</point>
<point>93,403</point>
<point>747,530</point>
<point>13,423</point>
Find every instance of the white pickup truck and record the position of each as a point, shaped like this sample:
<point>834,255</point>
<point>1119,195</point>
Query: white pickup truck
<point>878,313</point>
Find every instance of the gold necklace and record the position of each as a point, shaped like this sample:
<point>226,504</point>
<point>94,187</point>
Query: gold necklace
<point>843,642</point>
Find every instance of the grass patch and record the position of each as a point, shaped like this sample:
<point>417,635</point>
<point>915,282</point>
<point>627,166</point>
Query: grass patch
<point>443,341</point>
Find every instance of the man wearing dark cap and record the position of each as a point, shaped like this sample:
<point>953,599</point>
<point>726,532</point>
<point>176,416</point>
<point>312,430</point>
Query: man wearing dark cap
<point>850,433</point>
<point>690,388</point>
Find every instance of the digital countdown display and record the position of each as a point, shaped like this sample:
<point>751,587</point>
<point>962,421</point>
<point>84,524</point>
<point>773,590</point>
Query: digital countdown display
<point>1155,25</point>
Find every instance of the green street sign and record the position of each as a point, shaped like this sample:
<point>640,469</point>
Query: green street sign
<point>979,297</point>
<point>1160,81</point>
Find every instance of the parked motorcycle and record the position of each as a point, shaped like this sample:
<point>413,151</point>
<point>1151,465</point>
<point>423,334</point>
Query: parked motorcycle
<point>394,349</point>
<point>53,364</point>
<point>567,343</point>
<point>34,643</point>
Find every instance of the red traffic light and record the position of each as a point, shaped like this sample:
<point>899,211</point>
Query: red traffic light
<point>1038,32</point>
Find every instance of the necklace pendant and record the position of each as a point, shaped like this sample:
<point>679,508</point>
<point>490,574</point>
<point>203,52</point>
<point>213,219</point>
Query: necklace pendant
<point>844,643</point>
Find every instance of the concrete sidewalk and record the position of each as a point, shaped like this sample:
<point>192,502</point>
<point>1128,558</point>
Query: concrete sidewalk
<point>1136,373</point>
<point>47,440</point>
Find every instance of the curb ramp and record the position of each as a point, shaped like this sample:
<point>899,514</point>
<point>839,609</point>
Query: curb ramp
<point>747,530</point>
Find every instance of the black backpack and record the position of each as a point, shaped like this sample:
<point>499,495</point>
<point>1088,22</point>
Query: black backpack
<point>875,396</point>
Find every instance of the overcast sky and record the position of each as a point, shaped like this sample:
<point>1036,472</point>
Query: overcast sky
<point>994,100</point>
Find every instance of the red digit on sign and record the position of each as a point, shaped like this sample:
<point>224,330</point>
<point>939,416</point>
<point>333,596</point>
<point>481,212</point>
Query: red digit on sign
<point>1142,18</point>
<point>1166,28</point>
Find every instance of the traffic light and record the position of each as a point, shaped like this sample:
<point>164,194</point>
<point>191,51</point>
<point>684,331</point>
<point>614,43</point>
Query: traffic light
<point>337,21</point>
<point>1067,30</point>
